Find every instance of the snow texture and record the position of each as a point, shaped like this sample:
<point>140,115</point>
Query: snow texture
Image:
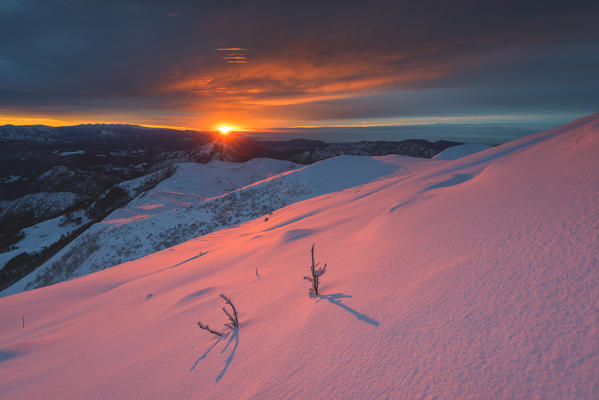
<point>474,278</point>
<point>459,151</point>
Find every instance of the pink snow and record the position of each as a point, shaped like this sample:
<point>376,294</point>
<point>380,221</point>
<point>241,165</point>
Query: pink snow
<point>472,278</point>
<point>149,206</point>
<point>120,221</point>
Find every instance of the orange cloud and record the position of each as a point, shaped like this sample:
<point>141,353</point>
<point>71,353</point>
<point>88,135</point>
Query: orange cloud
<point>288,82</point>
<point>263,94</point>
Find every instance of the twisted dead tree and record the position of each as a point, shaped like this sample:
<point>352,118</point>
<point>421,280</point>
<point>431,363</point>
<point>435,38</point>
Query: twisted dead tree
<point>234,321</point>
<point>316,274</point>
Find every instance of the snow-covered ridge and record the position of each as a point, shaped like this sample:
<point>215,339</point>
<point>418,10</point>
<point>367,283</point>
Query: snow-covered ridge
<point>44,234</point>
<point>40,204</point>
<point>472,278</point>
<point>461,150</point>
<point>174,211</point>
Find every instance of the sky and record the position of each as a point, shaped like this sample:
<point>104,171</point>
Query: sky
<point>353,68</point>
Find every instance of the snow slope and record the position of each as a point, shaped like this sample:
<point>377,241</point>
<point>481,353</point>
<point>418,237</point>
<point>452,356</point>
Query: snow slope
<point>171,214</point>
<point>40,204</point>
<point>175,210</point>
<point>461,150</point>
<point>44,234</point>
<point>474,278</point>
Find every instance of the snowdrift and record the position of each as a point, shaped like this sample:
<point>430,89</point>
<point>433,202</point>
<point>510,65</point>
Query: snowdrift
<point>472,278</point>
<point>461,150</point>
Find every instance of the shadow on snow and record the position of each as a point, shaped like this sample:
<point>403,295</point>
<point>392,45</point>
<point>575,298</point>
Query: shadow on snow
<point>229,337</point>
<point>189,259</point>
<point>337,299</point>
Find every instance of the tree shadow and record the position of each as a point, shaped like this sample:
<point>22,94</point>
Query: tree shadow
<point>337,299</point>
<point>195,364</point>
<point>232,336</point>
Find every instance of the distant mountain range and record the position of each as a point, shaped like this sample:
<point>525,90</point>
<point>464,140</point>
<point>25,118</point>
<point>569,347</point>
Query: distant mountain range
<point>88,159</point>
<point>75,176</point>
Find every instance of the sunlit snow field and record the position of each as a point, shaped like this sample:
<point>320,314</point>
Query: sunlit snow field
<point>469,278</point>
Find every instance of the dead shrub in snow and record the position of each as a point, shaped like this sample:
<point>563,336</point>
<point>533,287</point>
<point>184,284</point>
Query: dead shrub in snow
<point>234,321</point>
<point>206,327</point>
<point>316,274</point>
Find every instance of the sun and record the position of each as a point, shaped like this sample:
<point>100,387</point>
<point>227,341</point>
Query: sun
<point>225,129</point>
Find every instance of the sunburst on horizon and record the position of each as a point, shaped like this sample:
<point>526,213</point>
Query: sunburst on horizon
<point>226,129</point>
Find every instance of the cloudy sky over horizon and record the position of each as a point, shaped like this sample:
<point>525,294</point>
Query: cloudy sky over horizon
<point>270,64</point>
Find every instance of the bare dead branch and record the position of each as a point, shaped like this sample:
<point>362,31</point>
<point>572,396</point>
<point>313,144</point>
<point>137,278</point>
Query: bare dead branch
<point>234,319</point>
<point>321,271</point>
<point>316,273</point>
<point>228,315</point>
<point>206,327</point>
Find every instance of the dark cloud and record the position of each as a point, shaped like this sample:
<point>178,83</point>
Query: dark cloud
<point>191,62</point>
